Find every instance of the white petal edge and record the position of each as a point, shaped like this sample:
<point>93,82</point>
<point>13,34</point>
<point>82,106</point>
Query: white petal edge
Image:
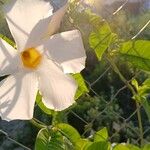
<point>57,89</point>
<point>17,96</point>
<point>66,49</point>
<point>28,21</point>
<point>9,59</point>
<point>56,19</point>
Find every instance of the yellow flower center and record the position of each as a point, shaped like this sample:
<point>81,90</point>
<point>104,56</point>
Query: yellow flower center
<point>31,58</point>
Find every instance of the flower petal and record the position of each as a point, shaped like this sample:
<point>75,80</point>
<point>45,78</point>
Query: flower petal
<point>17,96</point>
<point>58,90</point>
<point>9,60</point>
<point>67,49</point>
<point>56,20</point>
<point>28,21</point>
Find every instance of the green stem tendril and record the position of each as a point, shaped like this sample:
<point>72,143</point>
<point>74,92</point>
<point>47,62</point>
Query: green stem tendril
<point>38,123</point>
<point>115,68</point>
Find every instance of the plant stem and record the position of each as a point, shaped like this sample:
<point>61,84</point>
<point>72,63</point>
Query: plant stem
<point>54,120</point>
<point>115,68</point>
<point>140,122</point>
<point>37,124</point>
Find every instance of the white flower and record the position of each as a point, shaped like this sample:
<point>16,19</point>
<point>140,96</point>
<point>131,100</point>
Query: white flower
<point>42,60</point>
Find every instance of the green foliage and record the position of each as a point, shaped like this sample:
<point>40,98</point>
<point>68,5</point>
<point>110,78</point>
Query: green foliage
<point>137,53</point>
<point>61,137</point>
<point>125,147</point>
<point>82,144</point>
<point>99,146</point>
<point>120,147</point>
<point>146,105</point>
<point>132,147</point>
<point>92,108</point>
<point>135,84</point>
<point>64,136</point>
<point>142,93</point>
<point>100,39</point>
<point>68,131</point>
<point>95,20</point>
<point>49,139</point>
<point>82,88</point>
<point>101,135</point>
<point>144,89</point>
<point>146,147</point>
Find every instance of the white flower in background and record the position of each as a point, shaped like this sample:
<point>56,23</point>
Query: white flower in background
<point>41,62</point>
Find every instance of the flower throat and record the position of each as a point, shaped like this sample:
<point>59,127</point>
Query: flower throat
<point>31,58</point>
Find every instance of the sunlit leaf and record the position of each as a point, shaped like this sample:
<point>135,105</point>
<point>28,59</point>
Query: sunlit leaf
<point>93,19</point>
<point>99,146</point>
<point>82,88</point>
<point>135,84</point>
<point>137,53</point>
<point>49,140</point>
<point>60,137</point>
<point>82,144</point>
<point>126,147</point>
<point>100,39</point>
<point>114,38</point>
<point>142,92</point>
<point>69,132</point>
<point>132,147</point>
<point>121,147</point>
<point>101,135</point>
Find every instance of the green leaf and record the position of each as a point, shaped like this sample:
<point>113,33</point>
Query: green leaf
<point>82,88</point>
<point>101,135</point>
<point>121,147</point>
<point>146,147</point>
<point>61,137</point>
<point>144,90</point>
<point>100,39</point>
<point>82,144</point>
<point>142,93</point>
<point>49,140</point>
<point>137,53</point>
<point>114,38</point>
<point>146,106</point>
<point>8,40</point>
<point>135,84</point>
<point>42,106</point>
<point>99,146</point>
<point>147,82</point>
<point>126,147</point>
<point>69,132</point>
<point>94,20</point>
<point>132,147</point>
